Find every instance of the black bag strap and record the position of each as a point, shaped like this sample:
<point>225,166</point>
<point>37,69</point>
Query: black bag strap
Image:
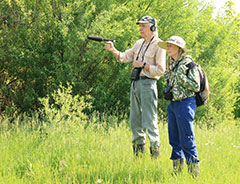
<point>140,49</point>
<point>202,74</point>
<point>144,50</point>
<point>190,66</point>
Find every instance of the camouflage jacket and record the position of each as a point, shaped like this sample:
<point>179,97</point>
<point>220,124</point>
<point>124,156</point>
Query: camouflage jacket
<point>183,86</point>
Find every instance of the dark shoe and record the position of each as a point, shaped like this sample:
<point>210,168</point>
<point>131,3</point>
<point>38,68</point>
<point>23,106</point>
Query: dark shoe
<point>155,151</point>
<point>178,166</point>
<point>194,169</point>
<point>138,149</point>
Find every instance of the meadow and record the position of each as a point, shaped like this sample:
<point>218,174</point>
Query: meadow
<point>44,46</point>
<point>100,151</point>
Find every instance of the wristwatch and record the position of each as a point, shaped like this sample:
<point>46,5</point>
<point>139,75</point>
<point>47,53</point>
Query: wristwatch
<point>143,66</point>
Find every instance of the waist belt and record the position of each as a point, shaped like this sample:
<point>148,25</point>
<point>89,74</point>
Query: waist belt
<point>144,77</point>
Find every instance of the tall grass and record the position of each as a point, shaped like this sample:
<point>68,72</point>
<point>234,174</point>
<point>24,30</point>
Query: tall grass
<point>76,152</point>
<point>66,146</point>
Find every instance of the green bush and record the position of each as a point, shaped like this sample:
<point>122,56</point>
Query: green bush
<point>62,107</point>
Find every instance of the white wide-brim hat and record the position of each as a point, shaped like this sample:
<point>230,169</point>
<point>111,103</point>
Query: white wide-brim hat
<point>175,40</point>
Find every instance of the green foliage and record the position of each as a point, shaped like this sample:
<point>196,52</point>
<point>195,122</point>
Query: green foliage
<point>64,106</point>
<point>237,103</point>
<point>44,44</point>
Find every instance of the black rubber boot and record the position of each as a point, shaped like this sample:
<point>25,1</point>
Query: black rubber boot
<point>155,151</point>
<point>138,149</point>
<point>178,166</point>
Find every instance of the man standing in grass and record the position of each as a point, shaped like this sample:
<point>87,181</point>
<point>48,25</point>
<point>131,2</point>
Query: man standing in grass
<point>149,62</point>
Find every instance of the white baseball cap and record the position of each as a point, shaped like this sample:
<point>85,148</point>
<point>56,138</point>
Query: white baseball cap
<point>175,40</point>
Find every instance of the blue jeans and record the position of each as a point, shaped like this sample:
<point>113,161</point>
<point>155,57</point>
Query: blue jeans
<point>181,129</point>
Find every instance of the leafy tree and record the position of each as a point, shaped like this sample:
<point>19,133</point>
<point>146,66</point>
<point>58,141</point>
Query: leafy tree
<point>44,44</point>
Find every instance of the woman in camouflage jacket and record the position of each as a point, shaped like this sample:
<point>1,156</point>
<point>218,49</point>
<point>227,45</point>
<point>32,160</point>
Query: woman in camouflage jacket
<point>182,85</point>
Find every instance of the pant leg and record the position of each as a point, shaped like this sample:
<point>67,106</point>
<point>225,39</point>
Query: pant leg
<point>138,133</point>
<point>173,133</point>
<point>185,112</point>
<point>149,100</point>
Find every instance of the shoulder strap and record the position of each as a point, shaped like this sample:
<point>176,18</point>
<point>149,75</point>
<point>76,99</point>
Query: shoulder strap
<point>190,66</point>
<point>201,72</point>
<point>140,49</point>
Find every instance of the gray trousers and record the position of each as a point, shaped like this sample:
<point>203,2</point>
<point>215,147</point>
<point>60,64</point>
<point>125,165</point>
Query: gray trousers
<point>143,113</point>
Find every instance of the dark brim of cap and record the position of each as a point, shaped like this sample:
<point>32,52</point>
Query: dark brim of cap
<point>143,22</point>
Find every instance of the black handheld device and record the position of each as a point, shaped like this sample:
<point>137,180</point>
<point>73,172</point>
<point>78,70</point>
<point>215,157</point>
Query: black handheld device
<point>100,39</point>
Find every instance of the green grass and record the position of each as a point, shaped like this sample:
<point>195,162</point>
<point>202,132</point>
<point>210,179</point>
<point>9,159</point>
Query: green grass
<point>75,153</point>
